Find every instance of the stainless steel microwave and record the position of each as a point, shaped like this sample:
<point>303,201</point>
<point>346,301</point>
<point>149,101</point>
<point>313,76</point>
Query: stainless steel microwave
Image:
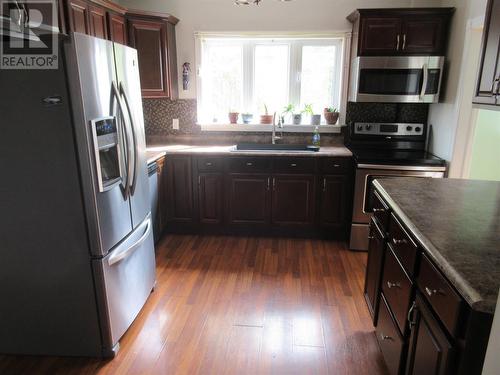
<point>396,79</point>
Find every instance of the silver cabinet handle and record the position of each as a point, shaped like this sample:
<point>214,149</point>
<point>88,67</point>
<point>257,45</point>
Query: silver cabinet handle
<point>371,237</point>
<point>391,285</point>
<point>293,165</point>
<point>385,337</point>
<point>274,184</point>
<point>208,164</point>
<point>432,292</point>
<point>399,242</point>
<point>199,180</point>
<point>336,165</point>
<point>268,183</point>
<point>410,321</point>
<point>404,42</point>
<point>249,164</point>
<point>378,210</point>
<point>324,184</point>
<point>397,43</point>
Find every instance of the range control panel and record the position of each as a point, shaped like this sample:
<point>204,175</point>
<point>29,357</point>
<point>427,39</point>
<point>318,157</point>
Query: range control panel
<point>388,129</point>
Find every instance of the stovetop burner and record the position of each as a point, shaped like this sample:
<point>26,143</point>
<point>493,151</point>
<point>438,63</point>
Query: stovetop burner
<point>397,157</point>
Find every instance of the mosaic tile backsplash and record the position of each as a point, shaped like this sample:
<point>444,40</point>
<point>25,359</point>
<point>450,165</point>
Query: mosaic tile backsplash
<point>159,113</point>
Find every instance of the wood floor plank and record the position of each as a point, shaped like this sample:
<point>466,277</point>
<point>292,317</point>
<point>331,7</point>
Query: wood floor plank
<point>241,305</point>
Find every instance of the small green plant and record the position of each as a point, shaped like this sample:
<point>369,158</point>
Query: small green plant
<point>331,110</point>
<point>266,111</point>
<point>289,109</point>
<point>308,108</point>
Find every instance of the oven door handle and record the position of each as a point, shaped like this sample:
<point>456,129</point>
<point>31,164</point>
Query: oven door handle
<point>425,68</point>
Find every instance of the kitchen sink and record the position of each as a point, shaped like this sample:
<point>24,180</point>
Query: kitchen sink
<point>275,147</point>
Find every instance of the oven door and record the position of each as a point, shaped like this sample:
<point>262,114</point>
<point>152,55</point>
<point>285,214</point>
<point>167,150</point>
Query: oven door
<point>414,79</point>
<point>363,189</point>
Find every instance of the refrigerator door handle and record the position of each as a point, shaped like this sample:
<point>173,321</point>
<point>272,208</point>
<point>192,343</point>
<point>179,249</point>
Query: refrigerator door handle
<point>120,255</point>
<point>132,127</point>
<point>128,164</point>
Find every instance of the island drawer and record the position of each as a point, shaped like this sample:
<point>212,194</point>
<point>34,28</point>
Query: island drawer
<point>336,165</point>
<point>295,165</point>
<point>249,164</point>
<point>404,247</point>
<point>209,164</point>
<point>380,211</point>
<point>440,294</point>
<point>397,289</point>
<point>389,339</point>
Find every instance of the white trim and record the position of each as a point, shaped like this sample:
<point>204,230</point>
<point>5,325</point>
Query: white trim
<point>323,129</point>
<point>273,34</point>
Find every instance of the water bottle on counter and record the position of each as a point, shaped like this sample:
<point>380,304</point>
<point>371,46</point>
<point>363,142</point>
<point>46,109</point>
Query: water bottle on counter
<point>316,138</point>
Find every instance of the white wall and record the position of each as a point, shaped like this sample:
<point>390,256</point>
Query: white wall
<point>271,15</point>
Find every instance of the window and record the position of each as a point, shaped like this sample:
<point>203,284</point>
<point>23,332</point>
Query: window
<point>247,75</point>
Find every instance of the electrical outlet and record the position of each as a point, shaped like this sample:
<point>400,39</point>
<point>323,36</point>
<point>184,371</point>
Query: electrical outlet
<point>175,124</point>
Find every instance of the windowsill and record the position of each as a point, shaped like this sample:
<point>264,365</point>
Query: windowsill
<point>287,128</point>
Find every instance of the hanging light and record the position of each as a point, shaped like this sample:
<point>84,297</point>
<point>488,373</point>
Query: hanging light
<point>248,2</point>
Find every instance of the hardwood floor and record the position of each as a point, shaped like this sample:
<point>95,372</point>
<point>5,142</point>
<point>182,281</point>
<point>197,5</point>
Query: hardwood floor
<point>239,305</point>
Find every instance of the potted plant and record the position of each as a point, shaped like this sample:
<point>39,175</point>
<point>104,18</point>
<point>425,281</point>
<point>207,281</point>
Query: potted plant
<point>315,119</point>
<point>233,117</point>
<point>288,110</point>
<point>247,118</point>
<point>331,115</point>
<point>297,117</point>
<point>266,118</point>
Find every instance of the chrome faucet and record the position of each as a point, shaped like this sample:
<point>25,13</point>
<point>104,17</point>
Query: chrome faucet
<point>274,137</point>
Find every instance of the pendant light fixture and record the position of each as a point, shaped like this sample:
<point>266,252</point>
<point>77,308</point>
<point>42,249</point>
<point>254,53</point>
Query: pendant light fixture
<point>256,2</point>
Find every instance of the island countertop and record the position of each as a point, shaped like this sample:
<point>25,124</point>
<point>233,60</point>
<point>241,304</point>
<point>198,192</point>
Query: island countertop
<point>457,222</point>
<point>174,149</point>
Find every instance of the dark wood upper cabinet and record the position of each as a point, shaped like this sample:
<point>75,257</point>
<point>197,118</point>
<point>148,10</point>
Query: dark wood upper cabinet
<point>400,32</point>
<point>180,189</point>
<point>97,22</point>
<point>78,16</point>
<point>293,199</point>
<point>430,352</point>
<point>154,39</point>
<point>210,195</point>
<point>249,199</point>
<point>488,82</point>
<point>117,28</point>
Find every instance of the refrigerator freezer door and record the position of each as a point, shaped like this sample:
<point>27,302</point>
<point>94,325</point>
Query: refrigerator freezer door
<point>127,71</point>
<point>126,276</point>
<point>92,72</point>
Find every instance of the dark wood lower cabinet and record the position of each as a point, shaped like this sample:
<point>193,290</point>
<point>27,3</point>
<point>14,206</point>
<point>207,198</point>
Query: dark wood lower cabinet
<point>210,196</point>
<point>248,199</point>
<point>430,351</point>
<point>335,199</point>
<point>293,199</point>
<point>374,265</point>
<point>179,189</point>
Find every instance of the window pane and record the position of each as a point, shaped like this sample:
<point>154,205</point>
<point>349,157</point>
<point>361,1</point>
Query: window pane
<point>271,77</point>
<point>317,78</point>
<point>222,81</point>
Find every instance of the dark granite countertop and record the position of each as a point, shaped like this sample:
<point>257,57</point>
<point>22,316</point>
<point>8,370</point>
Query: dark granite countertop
<point>154,155</point>
<point>457,222</point>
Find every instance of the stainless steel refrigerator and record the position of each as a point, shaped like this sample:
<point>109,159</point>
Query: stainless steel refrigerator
<point>77,259</point>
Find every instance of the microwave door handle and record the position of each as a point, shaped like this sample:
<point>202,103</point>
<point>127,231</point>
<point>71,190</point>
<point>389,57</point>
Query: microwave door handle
<point>127,142</point>
<point>424,83</point>
<point>133,181</point>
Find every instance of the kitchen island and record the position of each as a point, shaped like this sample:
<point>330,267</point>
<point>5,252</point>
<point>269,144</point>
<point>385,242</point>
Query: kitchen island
<point>437,276</point>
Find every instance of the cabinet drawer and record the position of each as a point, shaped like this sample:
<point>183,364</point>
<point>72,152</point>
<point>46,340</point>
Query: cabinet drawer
<point>444,300</point>
<point>336,165</point>
<point>304,165</point>
<point>404,247</point>
<point>397,288</point>
<point>380,211</point>
<point>389,339</point>
<point>209,164</point>
<point>248,165</point>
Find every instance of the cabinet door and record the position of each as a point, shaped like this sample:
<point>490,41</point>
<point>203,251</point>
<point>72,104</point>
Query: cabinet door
<point>117,28</point>
<point>97,20</point>
<point>424,35</point>
<point>488,83</point>
<point>78,14</point>
<point>334,200</point>
<point>292,199</point>
<point>249,199</point>
<point>380,36</point>
<point>430,352</point>
<point>149,37</point>
<point>374,267</point>
<point>210,197</point>
<point>180,189</point>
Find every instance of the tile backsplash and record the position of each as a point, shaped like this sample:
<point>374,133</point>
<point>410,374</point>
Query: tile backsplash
<point>159,113</point>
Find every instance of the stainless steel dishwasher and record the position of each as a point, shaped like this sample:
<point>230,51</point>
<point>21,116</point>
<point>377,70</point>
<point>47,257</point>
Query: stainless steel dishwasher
<point>153,196</point>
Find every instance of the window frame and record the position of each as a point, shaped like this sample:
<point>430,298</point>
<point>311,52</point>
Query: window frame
<point>295,44</point>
